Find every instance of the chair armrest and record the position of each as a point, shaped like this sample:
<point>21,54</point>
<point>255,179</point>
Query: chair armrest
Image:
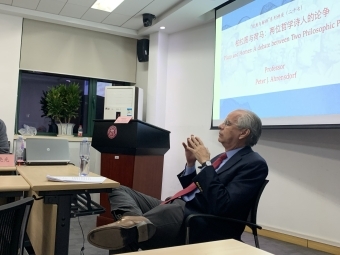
<point>249,224</point>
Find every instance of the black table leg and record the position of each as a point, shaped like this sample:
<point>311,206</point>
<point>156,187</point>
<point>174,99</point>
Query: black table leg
<point>63,225</point>
<point>63,199</point>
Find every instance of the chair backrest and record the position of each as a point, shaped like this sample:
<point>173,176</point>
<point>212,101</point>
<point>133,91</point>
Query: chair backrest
<point>253,211</point>
<point>13,223</point>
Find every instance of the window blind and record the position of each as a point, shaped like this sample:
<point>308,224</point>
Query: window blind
<point>54,48</point>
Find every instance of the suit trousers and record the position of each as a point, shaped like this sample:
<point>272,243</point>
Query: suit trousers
<point>167,218</point>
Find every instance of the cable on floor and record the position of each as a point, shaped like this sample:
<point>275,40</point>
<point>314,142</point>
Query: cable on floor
<point>82,232</point>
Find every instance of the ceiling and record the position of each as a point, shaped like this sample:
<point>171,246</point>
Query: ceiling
<point>125,20</point>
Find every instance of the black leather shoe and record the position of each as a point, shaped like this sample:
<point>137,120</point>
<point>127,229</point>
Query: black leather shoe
<point>117,235</point>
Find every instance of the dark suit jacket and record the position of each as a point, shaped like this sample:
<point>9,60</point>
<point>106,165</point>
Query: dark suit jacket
<point>230,193</point>
<point>4,147</point>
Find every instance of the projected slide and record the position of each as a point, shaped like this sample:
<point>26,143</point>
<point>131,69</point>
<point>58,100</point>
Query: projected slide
<point>280,59</point>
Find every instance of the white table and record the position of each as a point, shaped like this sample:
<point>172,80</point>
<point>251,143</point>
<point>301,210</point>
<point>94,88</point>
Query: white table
<point>224,247</point>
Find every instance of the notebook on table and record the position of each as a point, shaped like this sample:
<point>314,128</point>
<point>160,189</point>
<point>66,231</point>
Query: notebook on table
<point>47,151</point>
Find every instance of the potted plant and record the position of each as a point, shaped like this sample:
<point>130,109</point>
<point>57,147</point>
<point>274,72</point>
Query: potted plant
<point>61,103</point>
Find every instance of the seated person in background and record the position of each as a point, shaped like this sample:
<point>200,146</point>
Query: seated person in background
<point>4,147</point>
<point>227,188</point>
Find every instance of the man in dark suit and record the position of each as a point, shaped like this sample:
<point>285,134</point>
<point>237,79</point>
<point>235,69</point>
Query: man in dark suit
<point>225,189</point>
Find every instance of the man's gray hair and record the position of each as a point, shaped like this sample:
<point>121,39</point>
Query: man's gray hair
<point>249,120</point>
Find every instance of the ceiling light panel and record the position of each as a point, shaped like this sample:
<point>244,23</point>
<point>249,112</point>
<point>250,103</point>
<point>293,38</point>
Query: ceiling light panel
<point>106,5</point>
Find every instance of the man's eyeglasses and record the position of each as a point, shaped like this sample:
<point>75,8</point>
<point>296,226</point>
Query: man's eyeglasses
<point>228,123</point>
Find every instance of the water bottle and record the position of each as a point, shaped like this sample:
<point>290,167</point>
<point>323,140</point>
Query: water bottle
<point>84,154</point>
<point>80,131</point>
<point>19,153</point>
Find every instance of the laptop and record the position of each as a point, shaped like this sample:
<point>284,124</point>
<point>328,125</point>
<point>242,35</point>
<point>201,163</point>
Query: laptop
<point>47,151</point>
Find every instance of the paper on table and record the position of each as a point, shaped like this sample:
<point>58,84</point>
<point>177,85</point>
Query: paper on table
<point>75,179</point>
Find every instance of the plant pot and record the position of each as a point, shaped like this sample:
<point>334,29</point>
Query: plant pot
<point>65,129</point>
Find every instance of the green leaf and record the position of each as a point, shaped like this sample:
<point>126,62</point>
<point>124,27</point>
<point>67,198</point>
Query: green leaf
<point>61,102</point>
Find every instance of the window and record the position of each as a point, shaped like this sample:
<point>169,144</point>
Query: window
<point>31,88</point>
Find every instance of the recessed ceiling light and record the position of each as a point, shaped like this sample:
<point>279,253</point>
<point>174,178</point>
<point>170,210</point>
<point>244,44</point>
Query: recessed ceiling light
<point>106,5</point>
<point>162,27</point>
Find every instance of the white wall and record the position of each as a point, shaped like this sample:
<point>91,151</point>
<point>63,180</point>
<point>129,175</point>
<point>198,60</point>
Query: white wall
<point>303,195</point>
<point>10,42</point>
<point>189,96</point>
<point>142,82</point>
<point>157,75</point>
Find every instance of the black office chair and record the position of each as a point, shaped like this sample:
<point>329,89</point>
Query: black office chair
<point>13,223</point>
<point>251,220</point>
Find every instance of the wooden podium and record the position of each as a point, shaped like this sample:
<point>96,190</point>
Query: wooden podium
<point>131,154</point>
